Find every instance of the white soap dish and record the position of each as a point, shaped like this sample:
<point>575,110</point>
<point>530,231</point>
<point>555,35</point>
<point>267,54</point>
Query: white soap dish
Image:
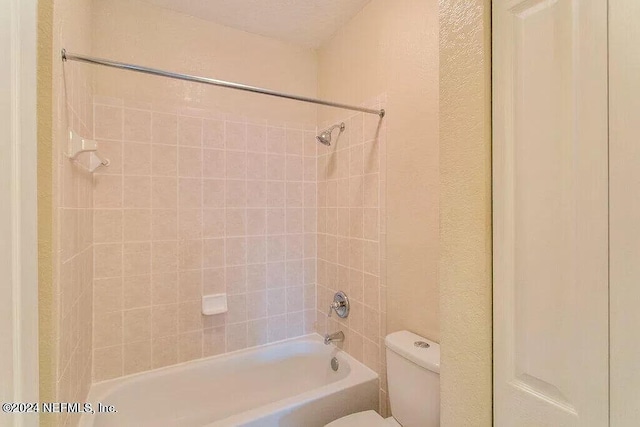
<point>78,145</point>
<point>214,304</point>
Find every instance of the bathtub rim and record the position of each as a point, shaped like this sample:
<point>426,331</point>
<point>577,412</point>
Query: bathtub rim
<point>359,374</point>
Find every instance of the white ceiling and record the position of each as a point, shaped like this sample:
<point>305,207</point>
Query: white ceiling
<point>307,23</point>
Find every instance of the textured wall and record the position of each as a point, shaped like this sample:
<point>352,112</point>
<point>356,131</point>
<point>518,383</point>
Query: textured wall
<point>624,202</point>
<point>47,327</point>
<point>465,206</point>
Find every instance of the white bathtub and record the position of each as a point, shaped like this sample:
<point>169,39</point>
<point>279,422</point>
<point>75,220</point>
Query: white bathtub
<point>287,384</point>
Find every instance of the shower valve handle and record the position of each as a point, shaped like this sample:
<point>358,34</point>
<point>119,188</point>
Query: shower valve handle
<point>340,304</point>
<point>335,306</point>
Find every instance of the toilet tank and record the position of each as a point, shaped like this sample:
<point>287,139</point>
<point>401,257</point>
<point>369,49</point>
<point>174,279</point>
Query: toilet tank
<point>413,377</point>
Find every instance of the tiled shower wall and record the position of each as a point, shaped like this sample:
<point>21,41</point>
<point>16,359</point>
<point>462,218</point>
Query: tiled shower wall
<point>197,203</point>
<point>351,231</point>
<point>73,213</point>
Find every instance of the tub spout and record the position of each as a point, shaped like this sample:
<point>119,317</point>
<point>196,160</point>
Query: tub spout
<point>335,337</point>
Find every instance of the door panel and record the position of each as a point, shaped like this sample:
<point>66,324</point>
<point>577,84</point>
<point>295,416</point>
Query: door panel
<point>550,213</point>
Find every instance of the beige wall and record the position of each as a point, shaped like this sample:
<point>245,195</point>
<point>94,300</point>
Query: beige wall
<point>136,32</point>
<point>65,210</point>
<point>391,48</point>
<point>624,101</point>
<point>47,326</point>
<point>465,206</point>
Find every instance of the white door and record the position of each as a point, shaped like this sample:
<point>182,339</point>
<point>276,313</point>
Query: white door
<point>550,213</point>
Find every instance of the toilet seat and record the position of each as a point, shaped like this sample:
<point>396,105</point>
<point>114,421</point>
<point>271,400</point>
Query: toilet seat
<point>364,419</point>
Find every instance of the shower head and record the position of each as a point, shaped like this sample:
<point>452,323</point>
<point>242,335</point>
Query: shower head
<point>325,136</point>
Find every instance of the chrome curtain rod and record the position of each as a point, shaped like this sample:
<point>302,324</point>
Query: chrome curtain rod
<point>66,56</point>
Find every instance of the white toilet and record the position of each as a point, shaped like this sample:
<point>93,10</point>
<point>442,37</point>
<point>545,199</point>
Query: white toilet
<point>413,376</point>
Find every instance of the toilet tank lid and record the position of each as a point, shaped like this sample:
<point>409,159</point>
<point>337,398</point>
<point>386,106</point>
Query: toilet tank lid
<point>407,344</point>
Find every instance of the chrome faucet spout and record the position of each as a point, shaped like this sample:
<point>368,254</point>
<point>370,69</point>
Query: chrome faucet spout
<point>334,337</point>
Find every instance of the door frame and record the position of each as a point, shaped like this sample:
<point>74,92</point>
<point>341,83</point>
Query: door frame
<point>18,206</point>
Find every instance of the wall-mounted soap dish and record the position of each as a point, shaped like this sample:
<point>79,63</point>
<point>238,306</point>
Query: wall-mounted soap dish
<point>214,304</point>
<point>78,145</point>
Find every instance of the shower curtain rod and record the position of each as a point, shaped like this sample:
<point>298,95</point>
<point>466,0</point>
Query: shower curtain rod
<point>66,56</point>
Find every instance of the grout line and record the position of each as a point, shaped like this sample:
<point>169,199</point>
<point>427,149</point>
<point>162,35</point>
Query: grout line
<point>224,247</point>
<point>202,277</point>
<point>122,181</point>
